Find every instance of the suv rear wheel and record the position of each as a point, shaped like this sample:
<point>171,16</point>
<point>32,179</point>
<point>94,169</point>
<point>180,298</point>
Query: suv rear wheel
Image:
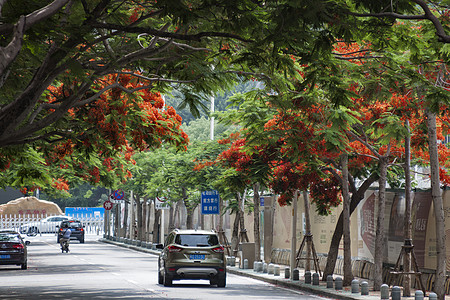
<point>160,277</point>
<point>222,281</point>
<point>167,280</point>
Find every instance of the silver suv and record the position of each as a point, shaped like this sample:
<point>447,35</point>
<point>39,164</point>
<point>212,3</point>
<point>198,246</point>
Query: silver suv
<point>192,254</point>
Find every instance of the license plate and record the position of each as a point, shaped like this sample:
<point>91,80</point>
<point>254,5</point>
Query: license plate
<point>197,256</point>
<point>5,256</point>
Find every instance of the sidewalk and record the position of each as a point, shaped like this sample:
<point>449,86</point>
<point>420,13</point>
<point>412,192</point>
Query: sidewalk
<point>321,289</point>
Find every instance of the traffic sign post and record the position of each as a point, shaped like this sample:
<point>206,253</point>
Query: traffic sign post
<point>210,202</point>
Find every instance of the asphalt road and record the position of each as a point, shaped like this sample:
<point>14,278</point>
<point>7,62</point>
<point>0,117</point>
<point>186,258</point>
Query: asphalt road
<point>95,270</point>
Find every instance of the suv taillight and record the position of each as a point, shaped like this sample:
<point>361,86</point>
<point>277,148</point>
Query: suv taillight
<point>218,249</point>
<point>174,249</point>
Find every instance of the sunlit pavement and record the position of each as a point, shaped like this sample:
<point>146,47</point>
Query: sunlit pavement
<point>320,289</point>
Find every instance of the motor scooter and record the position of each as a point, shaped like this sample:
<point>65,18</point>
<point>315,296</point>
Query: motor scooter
<point>64,245</point>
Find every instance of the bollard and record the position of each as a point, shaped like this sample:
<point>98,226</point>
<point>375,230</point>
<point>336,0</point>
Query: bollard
<point>384,291</point>
<point>287,273</point>
<point>329,281</point>
<point>338,283</point>
<point>270,268</point>
<point>355,286</point>
<point>396,293</point>
<point>315,277</point>
<point>276,270</point>
<point>255,266</point>
<point>432,296</point>
<point>308,277</point>
<point>418,295</point>
<point>245,263</point>
<point>259,266</point>
<point>364,288</point>
<point>296,275</point>
<point>265,267</point>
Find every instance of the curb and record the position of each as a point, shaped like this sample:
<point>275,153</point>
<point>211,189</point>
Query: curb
<point>320,290</point>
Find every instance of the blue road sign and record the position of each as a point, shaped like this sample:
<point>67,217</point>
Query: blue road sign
<point>210,202</point>
<point>85,212</point>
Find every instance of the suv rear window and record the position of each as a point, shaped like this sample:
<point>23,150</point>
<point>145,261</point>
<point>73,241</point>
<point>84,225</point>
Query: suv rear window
<point>196,240</point>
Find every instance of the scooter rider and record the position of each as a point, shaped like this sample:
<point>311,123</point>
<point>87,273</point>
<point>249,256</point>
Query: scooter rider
<point>65,238</point>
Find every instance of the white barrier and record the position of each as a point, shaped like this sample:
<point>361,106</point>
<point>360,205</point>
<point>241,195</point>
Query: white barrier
<point>14,222</point>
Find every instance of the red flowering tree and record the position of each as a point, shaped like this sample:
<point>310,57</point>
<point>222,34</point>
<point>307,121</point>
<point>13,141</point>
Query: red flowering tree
<point>114,126</point>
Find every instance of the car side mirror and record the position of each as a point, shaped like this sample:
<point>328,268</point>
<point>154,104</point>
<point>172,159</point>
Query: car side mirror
<point>159,246</point>
<point>27,243</point>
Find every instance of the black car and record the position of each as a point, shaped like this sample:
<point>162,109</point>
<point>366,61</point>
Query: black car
<point>76,227</point>
<point>13,249</point>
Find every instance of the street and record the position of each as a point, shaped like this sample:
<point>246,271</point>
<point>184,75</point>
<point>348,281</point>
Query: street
<point>96,270</point>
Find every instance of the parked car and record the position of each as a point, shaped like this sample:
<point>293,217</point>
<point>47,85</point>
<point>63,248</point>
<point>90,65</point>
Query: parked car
<point>76,227</point>
<point>192,254</point>
<point>13,249</point>
<point>46,225</point>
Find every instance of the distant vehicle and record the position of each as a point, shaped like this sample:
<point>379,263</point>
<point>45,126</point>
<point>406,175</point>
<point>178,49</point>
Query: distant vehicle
<point>46,225</point>
<point>192,254</point>
<point>13,249</point>
<point>75,226</point>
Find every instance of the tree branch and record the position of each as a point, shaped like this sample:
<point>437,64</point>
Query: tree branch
<point>428,15</point>
<point>159,33</point>
<point>36,16</point>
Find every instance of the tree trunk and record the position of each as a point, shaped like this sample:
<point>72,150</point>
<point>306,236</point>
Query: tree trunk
<point>190,209</point>
<point>241,201</point>
<point>379,235</point>
<point>408,224</point>
<point>307,230</point>
<point>439,283</point>
<point>116,219</point>
<point>357,196</point>
<point>190,218</point>
<point>144,221</point>
<point>125,220</point>
<point>171,218</point>
<point>235,233</point>
<point>348,274</point>
<point>156,235</point>
<point>148,208</point>
<point>177,217</point>
<point>130,232</point>
<point>139,217</point>
<point>256,233</point>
